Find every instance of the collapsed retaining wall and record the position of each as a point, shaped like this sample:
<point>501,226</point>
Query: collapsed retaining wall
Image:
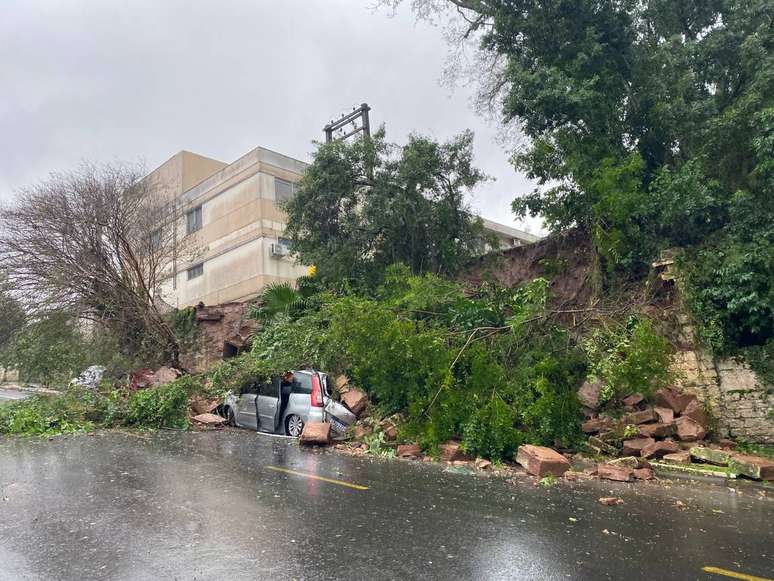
<point>742,403</point>
<point>222,332</point>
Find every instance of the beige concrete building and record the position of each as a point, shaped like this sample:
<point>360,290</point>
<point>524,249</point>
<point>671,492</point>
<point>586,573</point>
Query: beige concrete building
<point>230,227</point>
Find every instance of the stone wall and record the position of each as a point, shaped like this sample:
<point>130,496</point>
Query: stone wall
<point>223,331</point>
<point>741,402</point>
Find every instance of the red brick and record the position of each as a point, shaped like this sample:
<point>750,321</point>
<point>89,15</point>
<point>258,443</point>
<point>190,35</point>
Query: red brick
<point>634,446</point>
<point>541,461</point>
<point>689,430</point>
<point>355,400</point>
<point>642,417</point>
<point>595,425</point>
<point>618,473</point>
<point>451,452</point>
<point>633,400</point>
<point>695,411</point>
<point>673,399</point>
<point>409,451</point>
<point>665,415</point>
<point>659,449</point>
<point>316,433</point>
<point>657,430</point>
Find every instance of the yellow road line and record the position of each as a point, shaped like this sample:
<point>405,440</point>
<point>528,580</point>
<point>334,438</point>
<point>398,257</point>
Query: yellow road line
<point>315,477</point>
<point>733,574</point>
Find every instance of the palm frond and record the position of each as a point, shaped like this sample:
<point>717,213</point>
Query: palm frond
<point>278,297</point>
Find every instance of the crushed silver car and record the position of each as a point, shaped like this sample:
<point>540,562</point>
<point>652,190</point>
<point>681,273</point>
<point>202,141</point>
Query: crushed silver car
<point>286,404</point>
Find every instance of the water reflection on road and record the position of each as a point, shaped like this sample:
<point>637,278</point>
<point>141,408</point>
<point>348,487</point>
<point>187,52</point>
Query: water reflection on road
<point>204,505</point>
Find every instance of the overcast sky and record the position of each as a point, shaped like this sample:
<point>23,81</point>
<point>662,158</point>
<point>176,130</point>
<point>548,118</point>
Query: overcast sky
<point>141,80</point>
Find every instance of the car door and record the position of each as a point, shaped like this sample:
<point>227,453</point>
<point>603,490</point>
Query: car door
<point>268,404</point>
<point>245,413</point>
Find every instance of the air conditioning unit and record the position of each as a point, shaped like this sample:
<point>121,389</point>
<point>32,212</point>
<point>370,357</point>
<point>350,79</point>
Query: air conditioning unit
<point>279,250</point>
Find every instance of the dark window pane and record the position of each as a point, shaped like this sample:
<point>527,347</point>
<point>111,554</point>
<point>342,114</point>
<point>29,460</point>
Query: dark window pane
<point>283,190</point>
<point>269,390</point>
<point>302,383</point>
<point>193,220</point>
<point>195,271</point>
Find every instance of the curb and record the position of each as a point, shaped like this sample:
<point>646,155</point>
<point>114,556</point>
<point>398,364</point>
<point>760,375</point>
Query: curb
<point>29,389</point>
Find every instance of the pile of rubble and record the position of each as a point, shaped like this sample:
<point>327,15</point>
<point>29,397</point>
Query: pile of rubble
<point>352,398</point>
<point>201,411</point>
<point>670,433</point>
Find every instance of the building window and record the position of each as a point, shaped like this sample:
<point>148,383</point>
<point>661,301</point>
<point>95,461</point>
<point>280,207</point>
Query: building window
<point>193,220</point>
<point>284,243</point>
<point>283,190</point>
<point>195,271</point>
<point>155,239</point>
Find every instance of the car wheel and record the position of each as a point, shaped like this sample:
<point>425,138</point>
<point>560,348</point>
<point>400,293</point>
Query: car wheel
<point>230,419</point>
<point>294,425</point>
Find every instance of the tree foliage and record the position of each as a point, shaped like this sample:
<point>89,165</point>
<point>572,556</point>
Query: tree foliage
<point>491,366</point>
<point>366,204</point>
<point>49,350</point>
<point>12,317</point>
<point>650,126</point>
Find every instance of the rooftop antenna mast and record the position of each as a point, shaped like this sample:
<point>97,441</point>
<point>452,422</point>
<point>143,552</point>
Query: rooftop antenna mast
<point>336,129</point>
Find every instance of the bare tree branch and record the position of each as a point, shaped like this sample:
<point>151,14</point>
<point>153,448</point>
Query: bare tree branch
<point>96,241</point>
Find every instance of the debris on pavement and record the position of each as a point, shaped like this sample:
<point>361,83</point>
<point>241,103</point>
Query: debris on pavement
<point>617,473</point>
<point>451,451</point>
<point>409,451</point>
<point>208,419</point>
<point>201,405</point>
<point>541,461</point>
<point>483,464</point>
<point>316,434</point>
<point>610,500</point>
<point>675,429</point>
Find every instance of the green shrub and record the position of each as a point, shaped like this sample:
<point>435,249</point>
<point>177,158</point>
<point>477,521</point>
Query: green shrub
<point>165,406</point>
<point>632,358</point>
<point>491,431</point>
<point>47,415</point>
<point>399,361</point>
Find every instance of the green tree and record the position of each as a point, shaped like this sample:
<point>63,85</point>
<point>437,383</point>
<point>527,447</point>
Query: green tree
<point>11,321</point>
<point>650,126</point>
<point>364,205</point>
<point>50,350</point>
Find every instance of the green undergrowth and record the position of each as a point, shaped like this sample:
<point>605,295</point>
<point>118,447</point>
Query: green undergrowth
<point>766,450</point>
<point>490,367</point>
<point>81,410</point>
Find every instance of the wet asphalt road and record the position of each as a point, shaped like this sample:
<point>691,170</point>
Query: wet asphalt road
<point>205,506</point>
<point>8,395</point>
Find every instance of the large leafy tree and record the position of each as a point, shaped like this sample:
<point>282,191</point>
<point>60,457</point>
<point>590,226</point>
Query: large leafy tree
<point>366,204</point>
<point>649,125</point>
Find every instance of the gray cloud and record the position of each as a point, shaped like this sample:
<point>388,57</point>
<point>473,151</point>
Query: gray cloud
<point>140,80</point>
